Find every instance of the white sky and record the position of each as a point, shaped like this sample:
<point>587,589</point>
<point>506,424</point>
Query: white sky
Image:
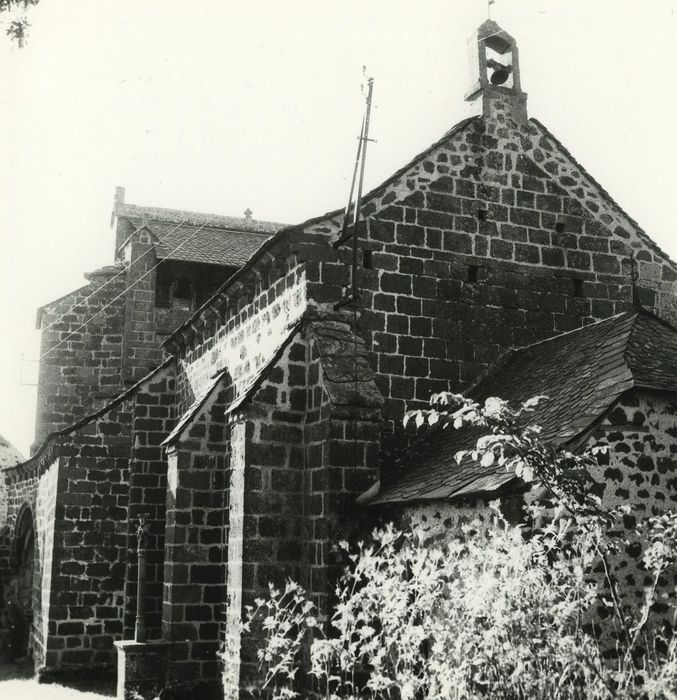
<point>218,106</point>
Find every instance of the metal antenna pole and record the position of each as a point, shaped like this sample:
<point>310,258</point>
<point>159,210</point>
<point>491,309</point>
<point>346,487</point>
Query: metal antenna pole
<point>358,201</point>
<point>360,161</point>
<point>352,184</point>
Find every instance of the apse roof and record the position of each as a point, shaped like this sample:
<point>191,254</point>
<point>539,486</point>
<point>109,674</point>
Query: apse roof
<point>582,373</point>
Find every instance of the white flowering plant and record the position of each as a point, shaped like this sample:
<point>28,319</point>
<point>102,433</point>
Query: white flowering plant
<point>486,609</point>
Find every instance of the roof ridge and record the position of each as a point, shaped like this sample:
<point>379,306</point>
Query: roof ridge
<point>572,331</point>
<point>283,232</point>
<point>118,399</point>
<point>642,311</point>
<point>193,218</point>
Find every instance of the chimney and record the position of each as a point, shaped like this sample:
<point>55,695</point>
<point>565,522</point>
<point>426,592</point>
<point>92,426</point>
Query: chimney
<point>118,199</point>
<point>120,232</point>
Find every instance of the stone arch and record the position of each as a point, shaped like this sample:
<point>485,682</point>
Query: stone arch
<point>20,605</point>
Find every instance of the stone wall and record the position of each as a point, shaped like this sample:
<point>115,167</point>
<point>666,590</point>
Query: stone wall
<point>244,335</point>
<point>43,575</point>
<point>640,472</point>
<point>493,238</point>
<point>436,519</point>
<point>90,542</point>
<point>77,487</point>
<point>195,543</point>
<point>4,497</point>
<point>111,470</point>
<point>298,462</point>
<point>154,417</point>
<point>107,335</point>
<point>240,432</point>
<point>319,477</point>
<point>33,496</point>
<point>80,352</point>
<point>140,347</point>
<point>267,505</point>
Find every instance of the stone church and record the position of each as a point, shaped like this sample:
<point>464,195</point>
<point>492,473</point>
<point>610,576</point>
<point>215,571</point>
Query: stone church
<point>212,385</point>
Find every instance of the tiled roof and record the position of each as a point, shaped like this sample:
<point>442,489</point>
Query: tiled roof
<point>9,455</point>
<point>207,245</point>
<point>205,238</point>
<point>583,373</point>
<point>176,216</point>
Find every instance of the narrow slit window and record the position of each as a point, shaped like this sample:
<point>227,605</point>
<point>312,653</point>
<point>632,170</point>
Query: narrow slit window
<point>559,227</point>
<point>367,263</point>
<point>473,273</point>
<point>481,214</point>
<point>578,288</point>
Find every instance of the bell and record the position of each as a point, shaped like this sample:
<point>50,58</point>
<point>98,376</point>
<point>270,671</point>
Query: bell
<point>498,77</point>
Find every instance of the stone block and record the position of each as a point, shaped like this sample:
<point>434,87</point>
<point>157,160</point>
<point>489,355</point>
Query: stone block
<point>142,669</point>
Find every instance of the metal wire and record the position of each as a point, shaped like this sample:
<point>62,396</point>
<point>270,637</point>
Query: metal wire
<point>110,281</point>
<point>112,301</point>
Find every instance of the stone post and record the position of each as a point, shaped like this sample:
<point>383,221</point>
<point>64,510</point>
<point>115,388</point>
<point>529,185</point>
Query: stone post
<point>140,626</point>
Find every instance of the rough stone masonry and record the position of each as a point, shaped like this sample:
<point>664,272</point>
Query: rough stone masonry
<point>271,412</point>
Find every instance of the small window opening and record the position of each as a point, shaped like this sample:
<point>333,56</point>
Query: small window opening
<point>473,273</point>
<point>183,294</point>
<point>183,289</point>
<point>481,214</point>
<point>559,227</point>
<point>367,263</point>
<point>163,293</point>
<point>578,288</point>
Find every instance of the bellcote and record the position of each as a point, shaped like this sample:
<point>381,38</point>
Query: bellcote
<point>495,73</point>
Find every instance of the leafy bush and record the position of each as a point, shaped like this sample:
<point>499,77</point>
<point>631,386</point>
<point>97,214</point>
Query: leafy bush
<point>486,609</point>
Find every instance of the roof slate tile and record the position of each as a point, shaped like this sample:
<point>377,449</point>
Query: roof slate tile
<point>192,237</point>
<point>583,372</point>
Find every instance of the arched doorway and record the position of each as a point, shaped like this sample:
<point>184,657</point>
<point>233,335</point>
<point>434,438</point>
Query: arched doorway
<point>20,604</point>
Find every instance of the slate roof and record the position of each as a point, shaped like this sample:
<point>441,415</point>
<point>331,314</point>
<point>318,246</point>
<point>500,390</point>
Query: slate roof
<point>583,373</point>
<point>208,245</point>
<point>192,237</point>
